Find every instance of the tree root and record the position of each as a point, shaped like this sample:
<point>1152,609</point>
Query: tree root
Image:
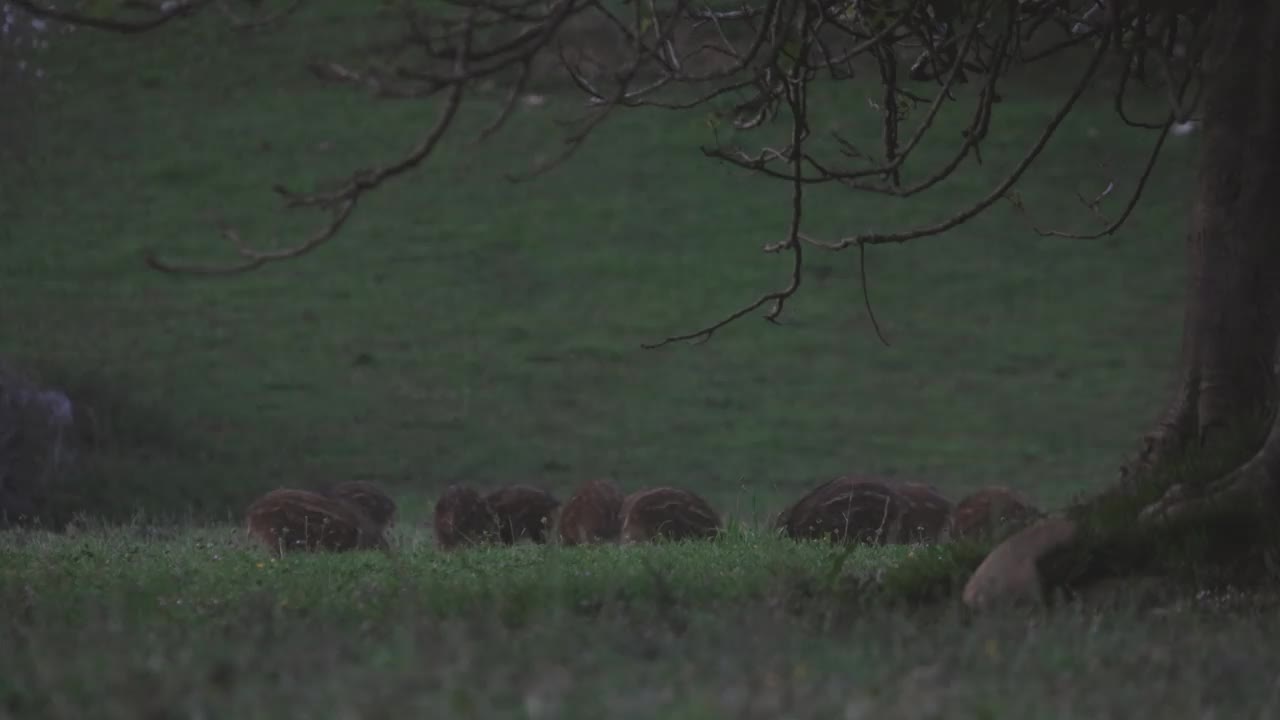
<point>1197,533</point>
<point>1175,433</point>
<point>1251,487</point>
<point>1197,504</point>
<point>1187,458</point>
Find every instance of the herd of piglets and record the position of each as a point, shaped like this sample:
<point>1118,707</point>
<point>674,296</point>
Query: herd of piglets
<point>356,515</point>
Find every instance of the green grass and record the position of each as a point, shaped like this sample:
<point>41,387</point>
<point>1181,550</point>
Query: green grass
<point>464,329</point>
<point>121,623</point>
<point>180,576</point>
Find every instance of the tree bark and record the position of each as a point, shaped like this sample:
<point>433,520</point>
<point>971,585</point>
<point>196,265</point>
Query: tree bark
<point>1232,320</point>
<point>1231,329</point>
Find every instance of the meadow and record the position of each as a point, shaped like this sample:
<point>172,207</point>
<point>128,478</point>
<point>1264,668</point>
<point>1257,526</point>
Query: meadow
<point>464,329</point>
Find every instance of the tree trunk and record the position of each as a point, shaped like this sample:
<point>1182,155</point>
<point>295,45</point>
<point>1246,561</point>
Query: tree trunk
<point>1228,388</point>
<point>1232,320</point>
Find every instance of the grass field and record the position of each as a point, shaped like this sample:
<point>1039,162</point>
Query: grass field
<point>464,329</point>
<point>123,624</point>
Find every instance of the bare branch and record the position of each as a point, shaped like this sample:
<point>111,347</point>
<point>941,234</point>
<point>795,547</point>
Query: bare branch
<point>797,101</point>
<point>997,192</point>
<point>973,135</point>
<point>1125,73</point>
<point>572,144</point>
<point>508,107</point>
<point>1133,200</point>
<point>606,106</point>
<point>240,22</point>
<point>1094,203</point>
<point>887,61</point>
<point>1177,97</point>
<point>1058,47</point>
<point>866,293</point>
<point>340,202</point>
<point>380,86</point>
<point>155,17</point>
<point>766,55</point>
<point>254,259</point>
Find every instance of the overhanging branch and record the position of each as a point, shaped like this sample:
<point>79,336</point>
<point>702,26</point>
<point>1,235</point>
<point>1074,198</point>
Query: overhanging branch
<point>767,54</point>
<point>340,203</point>
<point>152,16</point>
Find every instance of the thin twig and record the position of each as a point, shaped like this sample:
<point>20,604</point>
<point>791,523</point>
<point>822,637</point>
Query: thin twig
<point>996,193</point>
<point>341,202</point>
<point>866,293</point>
<point>159,17</point>
<point>257,23</point>
<point>797,101</point>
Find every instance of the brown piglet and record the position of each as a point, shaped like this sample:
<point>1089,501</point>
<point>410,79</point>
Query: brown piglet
<point>285,520</point>
<point>667,513</point>
<point>592,515</point>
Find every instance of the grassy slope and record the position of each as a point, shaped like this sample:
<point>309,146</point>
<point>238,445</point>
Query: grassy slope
<point>503,325</point>
<point>503,322</point>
